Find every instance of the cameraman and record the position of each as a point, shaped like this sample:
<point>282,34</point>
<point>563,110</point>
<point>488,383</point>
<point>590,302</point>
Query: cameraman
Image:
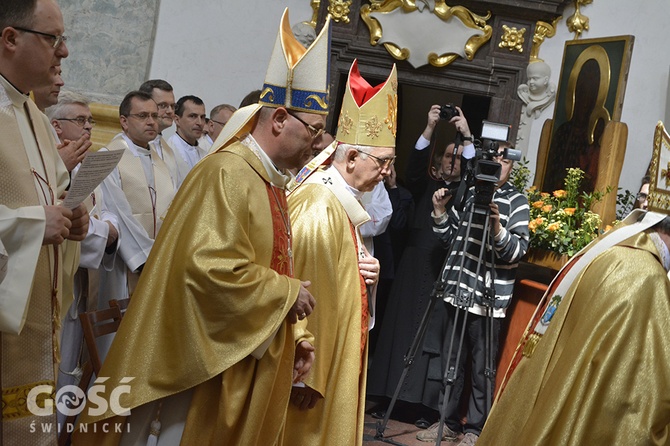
<point>418,267</point>
<point>509,214</point>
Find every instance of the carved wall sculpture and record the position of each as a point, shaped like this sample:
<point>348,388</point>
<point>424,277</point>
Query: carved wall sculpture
<point>478,66</point>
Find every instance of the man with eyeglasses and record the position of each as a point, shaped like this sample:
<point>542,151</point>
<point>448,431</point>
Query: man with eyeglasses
<point>138,191</point>
<point>215,313</point>
<point>163,95</point>
<point>33,226</point>
<point>327,214</point>
<point>72,120</point>
<point>218,118</point>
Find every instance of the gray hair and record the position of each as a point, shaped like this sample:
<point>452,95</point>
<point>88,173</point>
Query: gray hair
<point>663,226</point>
<point>218,108</point>
<point>66,98</point>
<point>343,147</point>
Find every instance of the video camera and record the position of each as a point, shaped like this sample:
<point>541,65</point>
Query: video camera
<point>486,170</point>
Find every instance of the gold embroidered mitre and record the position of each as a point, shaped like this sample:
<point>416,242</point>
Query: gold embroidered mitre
<point>659,187</point>
<point>297,78</point>
<point>369,114</point>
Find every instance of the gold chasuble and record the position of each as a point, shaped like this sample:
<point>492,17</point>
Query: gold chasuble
<point>599,375</point>
<point>322,212</point>
<point>33,175</point>
<point>214,289</point>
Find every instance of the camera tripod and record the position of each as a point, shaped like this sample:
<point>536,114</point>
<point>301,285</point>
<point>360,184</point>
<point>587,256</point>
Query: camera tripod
<point>462,300</point>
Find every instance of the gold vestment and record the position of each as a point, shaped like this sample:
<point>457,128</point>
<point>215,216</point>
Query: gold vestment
<point>206,299</point>
<point>326,254</point>
<point>599,375</point>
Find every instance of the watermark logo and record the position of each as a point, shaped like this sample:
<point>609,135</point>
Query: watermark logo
<point>71,400</point>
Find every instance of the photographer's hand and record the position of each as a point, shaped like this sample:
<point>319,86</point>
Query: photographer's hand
<point>461,123</point>
<point>495,219</point>
<point>440,199</point>
<point>433,119</point>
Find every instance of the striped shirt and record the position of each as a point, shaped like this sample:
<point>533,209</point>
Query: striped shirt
<point>510,244</point>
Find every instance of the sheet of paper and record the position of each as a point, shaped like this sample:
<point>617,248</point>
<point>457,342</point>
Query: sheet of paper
<point>95,168</point>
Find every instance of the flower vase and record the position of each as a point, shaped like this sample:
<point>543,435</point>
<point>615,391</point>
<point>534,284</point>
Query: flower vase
<point>547,259</point>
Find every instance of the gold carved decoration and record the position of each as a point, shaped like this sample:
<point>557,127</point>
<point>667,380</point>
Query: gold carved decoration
<point>599,54</point>
<point>577,22</point>
<point>481,30</point>
<point>512,38</point>
<point>315,12</point>
<point>542,31</point>
<point>339,10</point>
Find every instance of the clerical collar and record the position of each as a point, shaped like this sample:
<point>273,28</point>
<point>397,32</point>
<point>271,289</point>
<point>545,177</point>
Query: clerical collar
<point>137,150</point>
<point>277,177</point>
<point>15,96</point>
<point>196,146</point>
<point>353,191</point>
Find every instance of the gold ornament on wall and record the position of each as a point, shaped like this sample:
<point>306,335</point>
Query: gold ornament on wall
<point>512,38</point>
<point>456,31</point>
<point>339,10</point>
<point>542,31</point>
<point>315,4</point>
<point>577,22</point>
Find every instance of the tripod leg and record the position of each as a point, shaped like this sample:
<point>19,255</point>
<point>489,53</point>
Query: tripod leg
<point>411,354</point>
<point>451,371</point>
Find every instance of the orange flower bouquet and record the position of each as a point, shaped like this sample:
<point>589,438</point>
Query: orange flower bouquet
<point>562,221</point>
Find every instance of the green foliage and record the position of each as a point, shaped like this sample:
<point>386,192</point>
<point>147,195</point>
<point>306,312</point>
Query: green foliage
<point>520,175</point>
<point>625,201</point>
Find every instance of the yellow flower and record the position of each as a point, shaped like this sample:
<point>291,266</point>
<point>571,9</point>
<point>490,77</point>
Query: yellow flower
<point>546,208</point>
<point>560,193</point>
<point>544,194</point>
<point>538,204</point>
<point>608,227</point>
<point>569,211</point>
<point>532,189</point>
<point>552,227</point>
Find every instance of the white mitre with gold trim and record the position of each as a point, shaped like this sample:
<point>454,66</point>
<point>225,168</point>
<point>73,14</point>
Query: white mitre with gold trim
<point>659,172</point>
<point>297,78</point>
<point>369,114</point>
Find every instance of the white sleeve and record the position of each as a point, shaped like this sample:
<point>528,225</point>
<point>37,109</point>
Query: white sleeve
<point>421,143</point>
<point>378,204</point>
<point>21,233</point>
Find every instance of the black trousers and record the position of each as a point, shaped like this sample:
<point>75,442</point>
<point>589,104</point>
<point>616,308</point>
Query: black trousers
<point>474,347</point>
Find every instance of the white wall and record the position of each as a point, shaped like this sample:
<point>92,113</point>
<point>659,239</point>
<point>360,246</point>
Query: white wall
<point>218,50</point>
<point>647,88</point>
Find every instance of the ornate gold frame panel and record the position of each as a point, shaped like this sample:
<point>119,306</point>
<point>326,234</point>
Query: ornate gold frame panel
<point>659,171</point>
<point>439,57</point>
<point>590,96</point>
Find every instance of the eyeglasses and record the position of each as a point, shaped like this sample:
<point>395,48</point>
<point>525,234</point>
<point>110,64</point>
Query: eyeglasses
<point>57,39</point>
<point>222,124</point>
<point>642,196</point>
<point>382,162</point>
<point>79,120</point>
<point>313,131</point>
<point>144,116</point>
<point>165,106</point>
